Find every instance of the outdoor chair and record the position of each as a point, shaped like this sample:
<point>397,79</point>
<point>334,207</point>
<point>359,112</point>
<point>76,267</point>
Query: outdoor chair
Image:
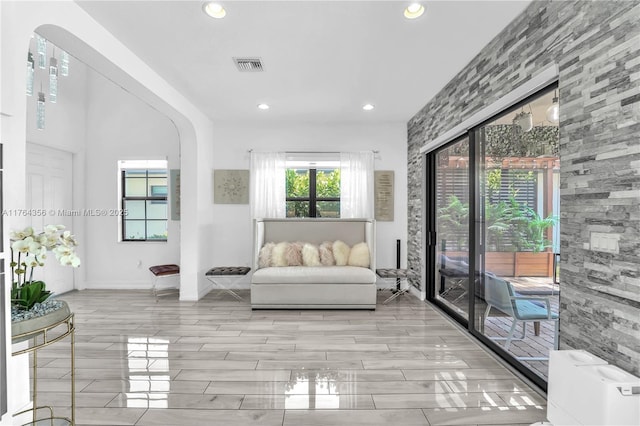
<point>499,294</point>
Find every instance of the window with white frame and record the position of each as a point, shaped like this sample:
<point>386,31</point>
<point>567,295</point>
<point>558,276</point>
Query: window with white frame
<point>143,196</point>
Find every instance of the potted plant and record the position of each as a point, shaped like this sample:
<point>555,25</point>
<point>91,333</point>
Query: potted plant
<point>499,256</point>
<point>532,259</point>
<point>31,308</point>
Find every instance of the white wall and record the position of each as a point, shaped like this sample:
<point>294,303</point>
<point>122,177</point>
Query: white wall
<point>122,127</point>
<point>67,25</point>
<point>232,233</point>
<point>65,125</point>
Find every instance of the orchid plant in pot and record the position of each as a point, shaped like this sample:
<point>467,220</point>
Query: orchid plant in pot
<point>29,250</point>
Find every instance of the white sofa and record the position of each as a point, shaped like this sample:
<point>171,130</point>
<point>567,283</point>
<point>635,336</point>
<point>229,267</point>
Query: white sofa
<point>311,287</point>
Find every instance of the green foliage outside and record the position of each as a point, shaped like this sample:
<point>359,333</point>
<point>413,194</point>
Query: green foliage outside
<point>328,183</point>
<point>510,225</point>
<point>453,220</point>
<point>297,183</point>
<point>494,180</point>
<point>327,186</point>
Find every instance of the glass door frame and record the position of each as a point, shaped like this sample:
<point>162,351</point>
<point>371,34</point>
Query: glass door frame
<point>475,227</point>
<point>430,163</point>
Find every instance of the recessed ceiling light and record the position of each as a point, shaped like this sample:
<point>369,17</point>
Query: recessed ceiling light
<point>215,10</point>
<point>368,107</point>
<point>263,107</point>
<point>413,11</point>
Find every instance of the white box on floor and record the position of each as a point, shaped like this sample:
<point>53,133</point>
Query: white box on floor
<point>585,390</point>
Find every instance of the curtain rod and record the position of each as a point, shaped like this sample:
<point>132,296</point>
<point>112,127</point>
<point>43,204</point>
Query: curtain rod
<point>375,151</point>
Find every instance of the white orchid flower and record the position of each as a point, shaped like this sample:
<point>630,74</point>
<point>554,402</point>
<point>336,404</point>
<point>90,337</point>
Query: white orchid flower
<point>31,261</point>
<point>42,253</point>
<point>70,260</point>
<point>51,229</point>
<point>60,251</point>
<point>50,240</point>
<point>21,235</point>
<point>36,245</point>
<point>23,245</point>
<point>68,239</point>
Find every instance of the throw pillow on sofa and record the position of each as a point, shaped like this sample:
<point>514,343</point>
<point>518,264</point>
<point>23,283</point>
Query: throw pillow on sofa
<point>341,252</point>
<point>279,254</point>
<point>310,255</point>
<point>359,255</point>
<point>326,254</point>
<point>264,257</point>
<point>294,254</point>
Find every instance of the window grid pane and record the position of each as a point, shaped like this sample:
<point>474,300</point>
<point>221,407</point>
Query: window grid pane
<point>313,192</point>
<point>145,200</point>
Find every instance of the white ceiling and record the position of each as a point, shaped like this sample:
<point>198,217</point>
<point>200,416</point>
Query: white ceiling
<point>322,60</point>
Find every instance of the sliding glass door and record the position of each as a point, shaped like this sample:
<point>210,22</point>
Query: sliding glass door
<point>493,232</point>
<point>450,201</point>
<point>517,205</point>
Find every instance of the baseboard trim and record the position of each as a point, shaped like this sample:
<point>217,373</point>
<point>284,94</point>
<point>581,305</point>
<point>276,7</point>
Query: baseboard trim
<point>117,285</point>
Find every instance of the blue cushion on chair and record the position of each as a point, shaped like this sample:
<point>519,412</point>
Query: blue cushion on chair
<point>532,310</point>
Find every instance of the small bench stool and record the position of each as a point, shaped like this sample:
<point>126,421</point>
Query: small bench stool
<point>396,275</point>
<point>216,277</point>
<point>163,271</point>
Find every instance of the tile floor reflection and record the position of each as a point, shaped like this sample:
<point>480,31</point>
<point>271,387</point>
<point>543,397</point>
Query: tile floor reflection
<point>216,362</point>
<point>149,380</point>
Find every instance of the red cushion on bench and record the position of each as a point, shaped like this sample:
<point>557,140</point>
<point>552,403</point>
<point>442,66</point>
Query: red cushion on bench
<point>160,270</point>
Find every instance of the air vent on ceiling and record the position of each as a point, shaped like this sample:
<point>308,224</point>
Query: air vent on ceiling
<point>248,64</point>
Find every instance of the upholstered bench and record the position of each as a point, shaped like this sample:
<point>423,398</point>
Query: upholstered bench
<point>163,271</point>
<point>396,274</point>
<point>217,274</point>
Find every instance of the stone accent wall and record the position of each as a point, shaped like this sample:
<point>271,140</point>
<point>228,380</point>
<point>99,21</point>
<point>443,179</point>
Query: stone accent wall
<point>597,48</point>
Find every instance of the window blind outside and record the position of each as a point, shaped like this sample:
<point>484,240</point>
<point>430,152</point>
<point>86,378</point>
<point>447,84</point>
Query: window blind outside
<point>454,182</point>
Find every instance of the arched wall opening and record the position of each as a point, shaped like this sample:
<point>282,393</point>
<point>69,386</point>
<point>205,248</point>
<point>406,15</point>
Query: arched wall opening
<point>67,25</point>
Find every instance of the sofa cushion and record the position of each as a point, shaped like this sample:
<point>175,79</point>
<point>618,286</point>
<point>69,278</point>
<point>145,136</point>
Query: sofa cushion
<point>294,254</point>
<point>264,257</point>
<point>341,252</point>
<point>279,254</point>
<point>310,255</point>
<point>359,255</point>
<point>314,275</point>
<point>326,254</point>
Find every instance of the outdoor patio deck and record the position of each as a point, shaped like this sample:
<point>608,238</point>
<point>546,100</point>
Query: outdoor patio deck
<point>497,325</point>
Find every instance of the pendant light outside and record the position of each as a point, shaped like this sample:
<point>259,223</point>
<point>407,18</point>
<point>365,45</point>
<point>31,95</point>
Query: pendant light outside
<point>524,120</point>
<point>553,112</point>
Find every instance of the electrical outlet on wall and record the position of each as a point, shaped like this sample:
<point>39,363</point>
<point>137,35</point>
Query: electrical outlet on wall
<point>607,243</point>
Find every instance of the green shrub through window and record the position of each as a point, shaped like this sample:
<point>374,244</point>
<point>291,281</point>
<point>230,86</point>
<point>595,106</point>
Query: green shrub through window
<point>313,192</point>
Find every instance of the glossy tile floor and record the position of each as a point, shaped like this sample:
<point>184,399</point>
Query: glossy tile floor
<point>217,362</point>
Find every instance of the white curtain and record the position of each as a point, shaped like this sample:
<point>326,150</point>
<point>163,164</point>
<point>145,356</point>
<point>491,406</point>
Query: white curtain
<point>268,185</point>
<point>356,184</point>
